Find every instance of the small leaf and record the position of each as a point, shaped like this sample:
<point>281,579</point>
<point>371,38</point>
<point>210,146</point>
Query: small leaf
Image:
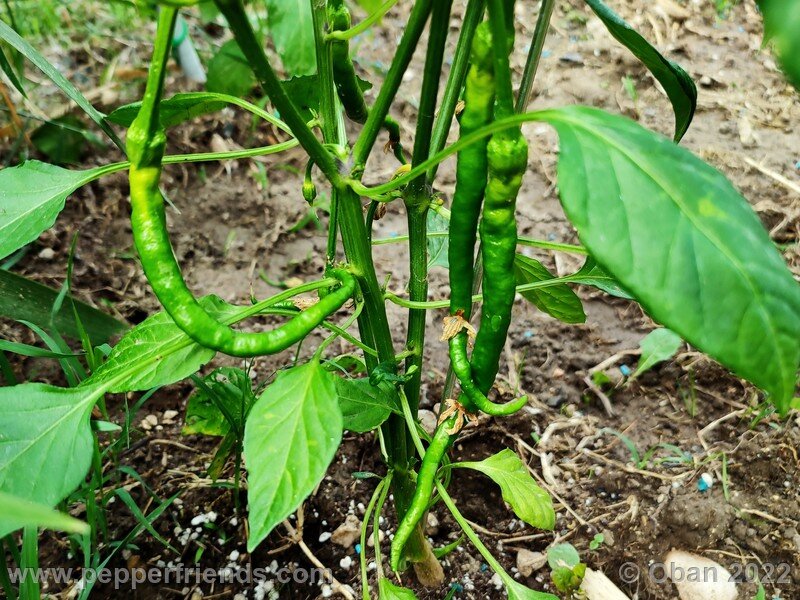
<point>31,197</point>
<point>782,28</point>
<point>16,513</point>
<point>676,234</point>
<point>437,245</point>
<point>6,67</point>
<point>46,439</point>
<point>657,346</point>
<point>364,407</point>
<point>291,27</point>
<point>389,591</point>
<point>679,86</point>
<point>232,399</point>
<point>291,436</point>
<point>157,352</point>
<point>24,48</point>
<point>531,503</point>
<point>592,274</point>
<point>563,555</point>
<point>229,72</point>
<point>23,299</point>
<point>558,301</point>
<point>175,110</point>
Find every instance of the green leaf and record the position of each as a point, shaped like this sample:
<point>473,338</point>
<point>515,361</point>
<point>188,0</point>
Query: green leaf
<point>364,407</point>
<point>657,346</point>
<point>290,438</point>
<point>517,591</point>
<point>32,351</point>
<point>437,245</point>
<point>782,28</point>
<point>31,197</point>
<point>232,390</point>
<point>229,71</point>
<point>676,234</point>
<point>558,301</point>
<point>291,27</point>
<point>531,503</point>
<point>389,591</point>
<point>23,47</point>
<point>175,110</point>
<point>16,513</point>
<point>23,299</point>
<point>370,5</point>
<point>61,140</point>
<point>563,555</point>
<point>591,274</point>
<point>680,88</point>
<point>47,442</point>
<point>157,352</point>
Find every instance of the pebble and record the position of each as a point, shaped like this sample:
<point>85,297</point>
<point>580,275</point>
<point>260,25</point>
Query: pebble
<point>528,562</point>
<point>149,422</point>
<point>169,416</point>
<point>47,254</point>
<point>348,532</point>
<point>324,536</point>
<point>346,562</point>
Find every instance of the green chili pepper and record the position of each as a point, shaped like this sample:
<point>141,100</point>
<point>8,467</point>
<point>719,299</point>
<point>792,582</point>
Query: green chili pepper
<point>463,371</point>
<point>426,480</point>
<point>507,153</point>
<point>348,86</point>
<point>145,145</point>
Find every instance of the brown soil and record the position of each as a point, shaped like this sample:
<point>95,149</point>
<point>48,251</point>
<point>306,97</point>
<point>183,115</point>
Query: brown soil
<point>230,228</point>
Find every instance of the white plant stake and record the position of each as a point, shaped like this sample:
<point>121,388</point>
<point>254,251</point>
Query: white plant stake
<point>698,578</point>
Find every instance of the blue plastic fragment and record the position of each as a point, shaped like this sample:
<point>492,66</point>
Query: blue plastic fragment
<point>705,482</point>
<point>358,549</point>
<point>625,370</point>
<point>484,567</point>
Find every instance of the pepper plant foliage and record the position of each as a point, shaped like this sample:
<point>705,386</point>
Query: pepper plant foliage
<point>657,224</point>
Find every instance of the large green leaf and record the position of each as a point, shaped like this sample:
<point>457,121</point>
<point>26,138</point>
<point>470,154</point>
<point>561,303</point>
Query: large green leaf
<point>157,352</point>
<point>16,513</point>
<point>558,301</point>
<point>45,440</point>
<point>291,27</point>
<point>175,110</point>
<point>530,502</point>
<point>679,86</point>
<point>31,197</point>
<point>23,299</point>
<point>290,438</point>
<point>23,47</point>
<point>364,406</point>
<point>782,27</point>
<point>677,235</point>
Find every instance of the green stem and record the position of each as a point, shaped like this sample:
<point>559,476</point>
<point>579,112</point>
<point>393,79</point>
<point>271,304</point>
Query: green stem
<point>522,241</point>
<point>254,52</point>
<point>402,58</point>
<point>417,197</point>
<point>364,527</point>
<point>455,80</point>
<point>363,25</point>
<point>535,54</point>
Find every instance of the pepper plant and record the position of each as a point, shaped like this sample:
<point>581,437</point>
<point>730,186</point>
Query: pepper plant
<point>656,223</point>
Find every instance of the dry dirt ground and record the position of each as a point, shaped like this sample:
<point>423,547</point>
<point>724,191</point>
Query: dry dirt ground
<point>235,223</point>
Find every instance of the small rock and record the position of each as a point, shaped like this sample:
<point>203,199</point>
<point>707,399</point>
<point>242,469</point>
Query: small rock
<point>428,420</point>
<point>149,422</point>
<point>169,416</point>
<point>47,254</point>
<point>371,538</point>
<point>432,527</point>
<point>699,578</point>
<point>528,562</point>
<point>558,373</point>
<point>324,537</point>
<point>746,134</point>
<point>572,58</point>
<point>346,562</point>
<point>348,532</point>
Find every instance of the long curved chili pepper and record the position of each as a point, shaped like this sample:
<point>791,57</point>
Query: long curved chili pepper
<point>145,144</point>
<point>426,480</point>
<point>348,87</point>
<point>463,371</point>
